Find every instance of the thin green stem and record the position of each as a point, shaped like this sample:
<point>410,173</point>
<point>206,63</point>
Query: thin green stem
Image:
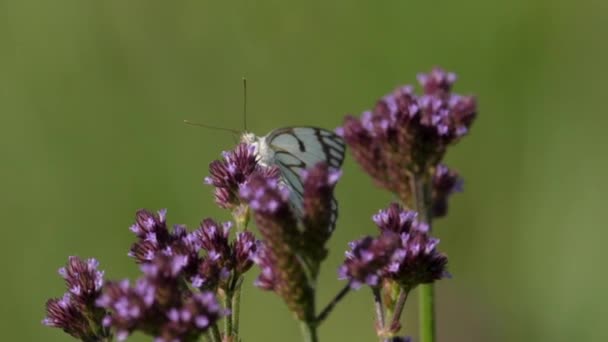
<point>309,331</point>
<point>379,308</point>
<point>236,308</point>
<point>228,319</point>
<point>427,313</point>
<point>214,333</point>
<point>329,308</point>
<point>395,325</point>
<point>426,308</point>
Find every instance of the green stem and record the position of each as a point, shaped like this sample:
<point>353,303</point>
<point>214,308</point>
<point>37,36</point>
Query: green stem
<point>426,309</point>
<point>309,331</point>
<point>328,309</point>
<point>395,325</point>
<point>379,309</point>
<point>427,313</point>
<point>236,308</point>
<point>214,333</point>
<point>228,319</point>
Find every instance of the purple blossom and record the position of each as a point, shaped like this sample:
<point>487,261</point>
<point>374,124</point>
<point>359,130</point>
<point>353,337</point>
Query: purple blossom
<point>282,255</point>
<point>244,248</point>
<point>194,317</point>
<point>408,134</point>
<point>228,174</point>
<point>76,312</point>
<point>66,314</point>
<point>130,307</point>
<point>154,237</point>
<point>416,261</point>
<point>366,259</point>
<point>83,279</point>
<point>404,252</point>
<point>397,220</point>
<point>265,260</point>
<point>445,183</point>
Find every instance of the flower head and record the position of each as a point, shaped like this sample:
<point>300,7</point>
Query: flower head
<point>404,252</point>
<point>416,261</point>
<point>281,254</point>
<point>445,183</point>
<point>192,318</point>
<point>83,279</point>
<point>234,169</point>
<point>408,134</point>
<point>131,307</point>
<point>64,313</point>
<point>366,259</point>
<point>244,249</point>
<point>76,312</point>
<point>397,220</point>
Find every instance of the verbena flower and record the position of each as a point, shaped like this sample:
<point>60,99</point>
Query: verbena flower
<point>76,312</point>
<point>366,259</point>
<point>294,242</point>
<point>407,133</point>
<point>279,227</point>
<point>416,260</point>
<point>194,316</point>
<point>404,252</point>
<point>234,169</point>
<point>445,183</point>
<point>130,307</point>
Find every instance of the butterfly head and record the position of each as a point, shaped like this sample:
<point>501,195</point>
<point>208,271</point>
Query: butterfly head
<point>249,138</point>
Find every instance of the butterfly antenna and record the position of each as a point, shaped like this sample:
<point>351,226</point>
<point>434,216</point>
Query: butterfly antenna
<point>245,103</point>
<point>188,122</point>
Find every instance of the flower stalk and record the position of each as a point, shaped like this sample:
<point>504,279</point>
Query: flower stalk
<point>421,190</point>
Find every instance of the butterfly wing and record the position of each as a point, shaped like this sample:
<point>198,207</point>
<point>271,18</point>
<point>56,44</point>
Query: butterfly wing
<point>298,148</point>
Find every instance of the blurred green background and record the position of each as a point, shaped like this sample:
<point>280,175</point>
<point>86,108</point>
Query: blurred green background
<point>93,94</point>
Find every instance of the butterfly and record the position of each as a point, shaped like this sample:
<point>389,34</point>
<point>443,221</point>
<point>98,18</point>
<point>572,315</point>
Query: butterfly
<point>294,149</point>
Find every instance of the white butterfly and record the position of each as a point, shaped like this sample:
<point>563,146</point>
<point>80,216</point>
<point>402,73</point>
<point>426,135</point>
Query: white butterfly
<point>293,149</point>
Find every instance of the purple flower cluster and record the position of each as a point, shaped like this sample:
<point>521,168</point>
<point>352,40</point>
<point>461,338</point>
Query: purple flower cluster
<point>294,243</point>
<point>160,303</point>
<point>228,174</point>
<point>403,252</point>
<point>221,262</point>
<point>139,307</point>
<point>76,312</point>
<point>407,133</point>
<point>445,183</point>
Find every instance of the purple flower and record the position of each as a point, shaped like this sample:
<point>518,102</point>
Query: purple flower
<point>265,260</point>
<point>244,248</point>
<point>66,314</point>
<point>214,237</point>
<point>407,134</point>
<point>404,252</point>
<point>416,261</point>
<point>282,255</point>
<point>83,279</point>
<point>194,317</point>
<point>395,219</point>
<point>130,307</point>
<point>445,183</point>
<point>76,312</point>
<point>366,259</point>
<point>228,174</point>
<point>151,229</point>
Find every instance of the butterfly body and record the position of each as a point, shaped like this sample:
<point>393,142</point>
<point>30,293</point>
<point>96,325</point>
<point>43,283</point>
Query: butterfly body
<point>294,149</point>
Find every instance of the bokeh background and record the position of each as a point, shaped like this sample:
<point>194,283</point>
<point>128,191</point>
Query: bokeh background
<point>93,94</point>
